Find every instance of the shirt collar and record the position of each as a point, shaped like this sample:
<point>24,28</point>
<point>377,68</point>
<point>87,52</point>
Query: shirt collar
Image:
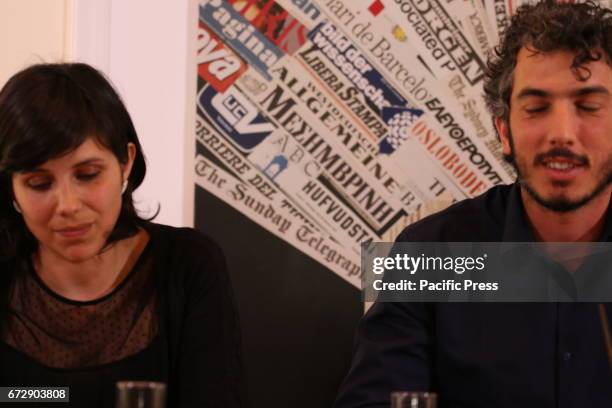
<point>607,230</point>
<point>516,226</point>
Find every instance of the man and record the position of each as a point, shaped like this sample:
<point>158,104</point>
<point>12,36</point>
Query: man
<point>549,89</point>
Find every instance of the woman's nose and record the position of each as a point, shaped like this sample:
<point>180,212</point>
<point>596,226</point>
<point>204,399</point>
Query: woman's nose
<point>68,201</point>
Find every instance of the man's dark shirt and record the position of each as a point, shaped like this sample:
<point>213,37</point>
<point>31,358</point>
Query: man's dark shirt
<point>481,354</point>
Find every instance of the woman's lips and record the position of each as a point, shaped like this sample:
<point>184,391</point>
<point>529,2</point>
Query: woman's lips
<point>74,231</point>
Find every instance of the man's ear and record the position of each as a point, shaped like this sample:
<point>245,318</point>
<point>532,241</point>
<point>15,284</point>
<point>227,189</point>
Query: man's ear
<point>127,167</point>
<point>504,133</point>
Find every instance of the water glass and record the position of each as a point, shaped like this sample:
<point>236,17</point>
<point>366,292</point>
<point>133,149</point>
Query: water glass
<point>408,399</point>
<point>141,394</point>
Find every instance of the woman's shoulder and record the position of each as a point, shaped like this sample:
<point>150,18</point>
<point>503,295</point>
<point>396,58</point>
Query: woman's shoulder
<point>184,238</point>
<point>184,250</point>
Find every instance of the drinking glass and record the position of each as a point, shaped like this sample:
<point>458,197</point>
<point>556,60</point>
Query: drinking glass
<point>407,399</point>
<point>141,394</point>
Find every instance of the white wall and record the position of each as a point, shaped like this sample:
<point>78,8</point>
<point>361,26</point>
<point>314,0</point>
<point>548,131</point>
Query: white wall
<point>33,31</point>
<point>144,46</point>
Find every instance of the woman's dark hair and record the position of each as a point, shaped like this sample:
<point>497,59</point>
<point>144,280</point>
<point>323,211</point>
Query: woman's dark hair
<point>48,110</point>
<point>584,28</point>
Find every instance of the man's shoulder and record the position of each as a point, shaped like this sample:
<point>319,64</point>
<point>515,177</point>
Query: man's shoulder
<point>476,219</point>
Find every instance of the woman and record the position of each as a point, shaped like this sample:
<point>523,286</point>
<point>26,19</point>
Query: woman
<point>91,293</point>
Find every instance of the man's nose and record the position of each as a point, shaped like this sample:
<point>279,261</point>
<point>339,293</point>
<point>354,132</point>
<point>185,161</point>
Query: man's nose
<point>563,125</point>
<point>68,200</point>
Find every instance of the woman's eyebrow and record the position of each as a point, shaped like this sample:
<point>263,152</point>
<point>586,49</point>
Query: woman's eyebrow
<point>91,160</point>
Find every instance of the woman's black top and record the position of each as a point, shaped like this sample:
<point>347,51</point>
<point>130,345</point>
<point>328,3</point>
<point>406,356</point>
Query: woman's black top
<point>172,319</point>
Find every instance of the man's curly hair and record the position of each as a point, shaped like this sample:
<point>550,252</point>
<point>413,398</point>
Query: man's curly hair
<point>584,28</point>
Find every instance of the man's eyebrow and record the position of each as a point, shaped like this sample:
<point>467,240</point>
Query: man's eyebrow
<point>526,92</point>
<point>596,89</point>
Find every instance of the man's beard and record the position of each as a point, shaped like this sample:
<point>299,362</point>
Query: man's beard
<point>560,204</point>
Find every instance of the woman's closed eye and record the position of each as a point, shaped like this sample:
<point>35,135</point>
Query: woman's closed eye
<point>43,183</point>
<point>39,183</point>
<point>87,176</point>
<point>88,172</point>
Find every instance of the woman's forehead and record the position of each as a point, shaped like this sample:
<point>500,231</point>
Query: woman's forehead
<point>90,151</point>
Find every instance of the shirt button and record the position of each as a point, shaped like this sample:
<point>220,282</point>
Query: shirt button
<point>567,356</point>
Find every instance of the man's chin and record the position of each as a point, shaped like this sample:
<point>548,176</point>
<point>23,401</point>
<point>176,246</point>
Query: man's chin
<point>560,204</point>
<point>560,201</point>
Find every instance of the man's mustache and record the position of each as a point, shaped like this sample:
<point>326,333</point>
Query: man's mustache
<point>560,152</point>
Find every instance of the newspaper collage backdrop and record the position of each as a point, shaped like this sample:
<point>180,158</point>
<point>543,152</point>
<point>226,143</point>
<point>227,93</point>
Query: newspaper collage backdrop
<point>333,123</point>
